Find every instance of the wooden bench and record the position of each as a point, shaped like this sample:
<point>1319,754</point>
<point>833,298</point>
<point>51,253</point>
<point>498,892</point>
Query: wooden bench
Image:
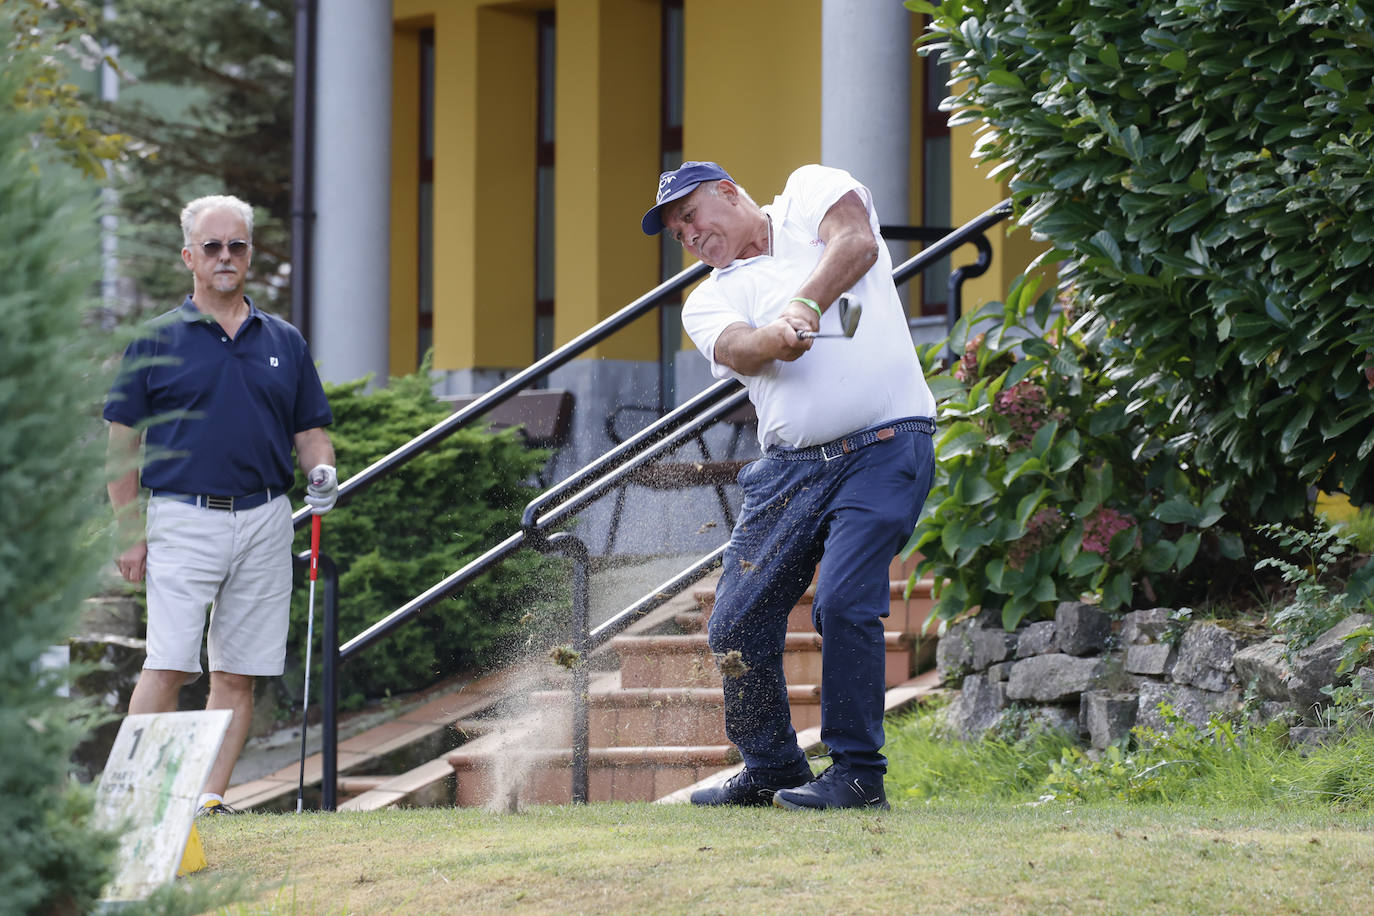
<point>543,416</point>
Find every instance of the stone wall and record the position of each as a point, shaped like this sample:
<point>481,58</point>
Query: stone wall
<point>1087,673</point>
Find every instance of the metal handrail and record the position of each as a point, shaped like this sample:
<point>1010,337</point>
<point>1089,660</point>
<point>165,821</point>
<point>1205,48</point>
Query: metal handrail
<point>602,474</point>
<point>503,392</point>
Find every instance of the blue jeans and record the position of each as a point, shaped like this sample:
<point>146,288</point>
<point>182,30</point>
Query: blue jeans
<point>850,515</point>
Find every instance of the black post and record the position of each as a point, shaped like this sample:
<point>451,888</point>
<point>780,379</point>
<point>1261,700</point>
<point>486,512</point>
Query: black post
<point>302,165</point>
<point>329,689</point>
<point>581,639</point>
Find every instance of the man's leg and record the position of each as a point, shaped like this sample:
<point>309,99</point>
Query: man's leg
<point>233,692</point>
<point>873,514</point>
<point>767,566</point>
<point>156,690</point>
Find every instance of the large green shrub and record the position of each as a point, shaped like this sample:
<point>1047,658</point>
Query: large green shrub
<point>51,467</point>
<point>1204,166</point>
<point>411,529</point>
<point>1045,489</point>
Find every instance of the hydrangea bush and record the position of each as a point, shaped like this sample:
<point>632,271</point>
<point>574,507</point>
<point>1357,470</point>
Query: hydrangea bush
<point>1046,490</point>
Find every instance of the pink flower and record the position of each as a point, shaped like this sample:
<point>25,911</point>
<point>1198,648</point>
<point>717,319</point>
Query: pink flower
<point>1101,526</point>
<point>1040,532</point>
<point>966,370</point>
<point>1023,405</point>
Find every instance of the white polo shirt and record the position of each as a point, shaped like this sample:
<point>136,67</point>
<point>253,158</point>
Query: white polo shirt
<point>839,386</point>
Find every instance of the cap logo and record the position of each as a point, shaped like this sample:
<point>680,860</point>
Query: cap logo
<point>663,184</point>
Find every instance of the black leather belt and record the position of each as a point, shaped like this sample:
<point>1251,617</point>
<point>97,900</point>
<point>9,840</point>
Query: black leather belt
<point>222,503</point>
<point>851,443</point>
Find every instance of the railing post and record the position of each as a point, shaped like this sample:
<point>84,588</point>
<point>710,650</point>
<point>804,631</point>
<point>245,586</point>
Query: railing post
<point>581,641</point>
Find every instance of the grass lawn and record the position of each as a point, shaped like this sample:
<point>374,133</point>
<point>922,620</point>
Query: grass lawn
<point>974,857</point>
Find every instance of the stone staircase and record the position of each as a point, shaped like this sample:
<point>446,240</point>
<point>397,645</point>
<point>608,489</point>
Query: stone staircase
<point>656,724</point>
<point>656,719</point>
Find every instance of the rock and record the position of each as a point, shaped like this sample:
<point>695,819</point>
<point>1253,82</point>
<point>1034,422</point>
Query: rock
<point>1194,706</point>
<point>1052,678</point>
<point>1035,639</point>
<point>1080,628</point>
<point>1145,626</point>
<point>992,645</point>
<point>1315,666</point>
<point>1265,664</point>
<point>954,652</point>
<point>1310,736</point>
<point>977,708</point>
<point>999,672</point>
<point>1155,658</point>
<point>1205,657</point>
<point>1106,717</point>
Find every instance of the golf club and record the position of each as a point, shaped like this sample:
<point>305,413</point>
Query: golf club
<point>850,312</point>
<point>309,640</point>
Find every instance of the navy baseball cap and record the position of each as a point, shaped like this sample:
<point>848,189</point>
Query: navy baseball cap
<point>677,184</point>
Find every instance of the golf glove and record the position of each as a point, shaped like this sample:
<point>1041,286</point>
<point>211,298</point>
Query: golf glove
<point>323,489</point>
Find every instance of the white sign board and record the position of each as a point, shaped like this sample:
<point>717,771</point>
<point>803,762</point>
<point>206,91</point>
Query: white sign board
<point>149,792</point>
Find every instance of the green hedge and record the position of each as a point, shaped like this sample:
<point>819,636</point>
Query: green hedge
<point>411,529</point>
<point>1204,167</point>
<point>51,465</point>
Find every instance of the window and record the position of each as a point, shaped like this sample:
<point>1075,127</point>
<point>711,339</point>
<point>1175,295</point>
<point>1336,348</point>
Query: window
<point>425,249</point>
<point>543,192</point>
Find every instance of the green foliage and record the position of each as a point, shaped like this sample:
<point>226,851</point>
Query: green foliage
<point>1204,169</point>
<point>1360,530</point>
<point>1049,485</point>
<point>1314,608</point>
<point>227,132</point>
<point>50,469</point>
<point>413,528</point>
<point>1219,764</point>
<point>52,34</point>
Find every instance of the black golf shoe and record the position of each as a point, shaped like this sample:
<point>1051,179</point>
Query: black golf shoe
<point>834,789</point>
<point>753,787</point>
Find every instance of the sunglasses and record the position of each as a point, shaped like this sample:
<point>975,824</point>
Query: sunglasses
<point>237,247</point>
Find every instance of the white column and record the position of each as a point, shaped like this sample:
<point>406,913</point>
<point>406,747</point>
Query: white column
<point>351,276</point>
<point>866,59</point>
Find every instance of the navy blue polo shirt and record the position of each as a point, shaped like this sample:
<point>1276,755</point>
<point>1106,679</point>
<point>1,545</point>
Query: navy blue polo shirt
<point>220,412</point>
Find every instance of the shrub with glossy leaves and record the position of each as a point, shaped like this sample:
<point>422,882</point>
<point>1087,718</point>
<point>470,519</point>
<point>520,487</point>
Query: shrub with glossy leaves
<point>1204,167</point>
<point>1047,488</point>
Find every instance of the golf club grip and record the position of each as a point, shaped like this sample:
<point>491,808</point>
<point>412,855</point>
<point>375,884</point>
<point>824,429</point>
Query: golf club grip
<point>314,546</point>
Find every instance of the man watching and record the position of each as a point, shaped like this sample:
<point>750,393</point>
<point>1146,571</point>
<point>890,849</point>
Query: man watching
<point>223,392</point>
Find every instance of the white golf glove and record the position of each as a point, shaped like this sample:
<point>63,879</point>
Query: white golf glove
<point>322,490</point>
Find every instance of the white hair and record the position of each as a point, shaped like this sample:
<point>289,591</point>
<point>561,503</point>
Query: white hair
<point>192,211</point>
<point>713,188</point>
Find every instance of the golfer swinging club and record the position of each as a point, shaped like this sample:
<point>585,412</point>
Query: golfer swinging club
<point>845,427</point>
<point>226,391</point>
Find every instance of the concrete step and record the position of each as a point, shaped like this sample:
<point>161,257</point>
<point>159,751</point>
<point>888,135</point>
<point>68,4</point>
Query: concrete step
<point>686,660</point>
<point>544,776</point>
<point>662,716</point>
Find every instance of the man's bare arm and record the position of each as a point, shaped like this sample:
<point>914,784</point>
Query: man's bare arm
<point>313,447</point>
<point>122,466</point>
<point>851,250</point>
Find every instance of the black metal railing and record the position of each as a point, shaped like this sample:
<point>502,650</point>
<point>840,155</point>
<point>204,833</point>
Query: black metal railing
<point>544,514</point>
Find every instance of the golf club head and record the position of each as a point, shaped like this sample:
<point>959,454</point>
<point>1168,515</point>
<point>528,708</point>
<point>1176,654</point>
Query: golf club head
<point>850,310</point>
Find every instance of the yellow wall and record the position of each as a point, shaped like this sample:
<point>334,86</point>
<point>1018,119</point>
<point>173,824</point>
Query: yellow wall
<point>752,99</point>
<point>606,160</point>
<point>484,161</point>
<point>972,194</point>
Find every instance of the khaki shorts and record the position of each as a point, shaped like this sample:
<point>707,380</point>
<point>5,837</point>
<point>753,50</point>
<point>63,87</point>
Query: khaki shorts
<point>238,564</point>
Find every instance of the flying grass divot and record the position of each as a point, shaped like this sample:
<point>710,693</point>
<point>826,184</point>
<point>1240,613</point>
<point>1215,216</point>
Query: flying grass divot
<point>732,664</point>
<point>565,657</point>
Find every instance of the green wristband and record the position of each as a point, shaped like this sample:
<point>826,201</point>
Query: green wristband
<point>805,301</point>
